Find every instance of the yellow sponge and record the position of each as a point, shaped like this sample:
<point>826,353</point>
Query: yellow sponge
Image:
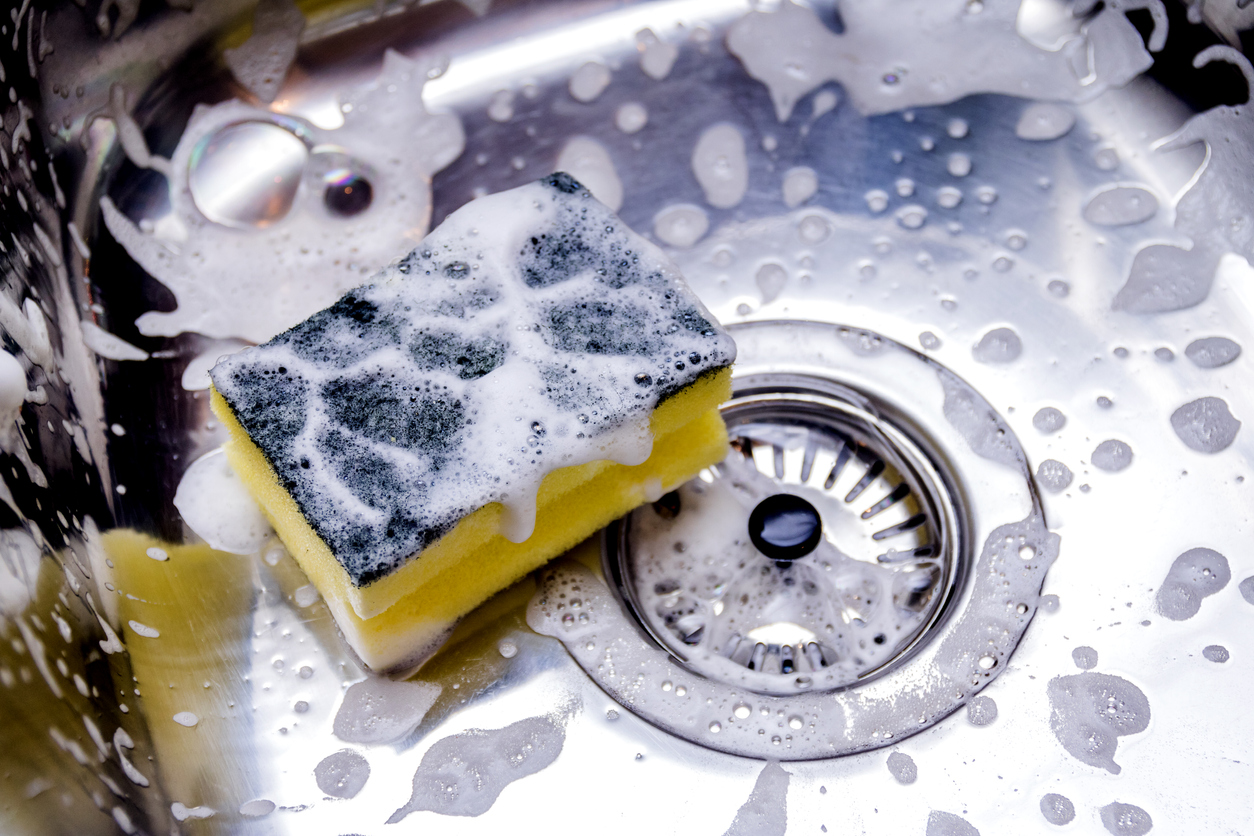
<point>531,371</point>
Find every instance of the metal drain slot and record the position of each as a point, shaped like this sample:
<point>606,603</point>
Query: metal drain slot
<point>829,612</point>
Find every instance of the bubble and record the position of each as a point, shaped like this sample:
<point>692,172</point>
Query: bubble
<point>611,714</point>
<point>903,768</point>
<point>800,184</point>
<point>1085,658</point>
<point>866,269</point>
<point>957,128</point>
<point>1003,263</point>
<point>507,649</point>
<point>1016,239</point>
<point>305,672</point>
<point>1057,809</point>
<point>929,341</point>
<point>501,106</point>
<point>1126,819</point>
<point>1049,603</point>
<point>1112,456</point>
<point>1121,353</point>
<point>715,727</point>
<point>948,197</point>
<point>1212,352</point>
<point>795,722</point>
<point>876,200</point>
<point>1121,206</point>
<point>1000,345</point>
<point>1164,354</point>
<point>346,193</point>
<point>986,195</point>
<point>958,165</point>
<point>927,143</point>
<point>1053,475</point>
<point>912,216</point>
<point>904,186</point>
<point>1205,425</point>
<point>1215,653</point>
<point>246,175</point>
<point>981,711</point>
<point>1059,288</point>
<point>1106,158</point>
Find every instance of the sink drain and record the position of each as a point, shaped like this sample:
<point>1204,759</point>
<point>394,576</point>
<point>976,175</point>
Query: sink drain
<point>818,554</point>
<point>863,562</point>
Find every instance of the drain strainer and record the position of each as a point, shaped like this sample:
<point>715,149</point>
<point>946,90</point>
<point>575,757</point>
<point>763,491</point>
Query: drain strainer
<point>819,553</point>
<point>862,563</point>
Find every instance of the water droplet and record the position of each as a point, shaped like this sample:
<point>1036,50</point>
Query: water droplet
<point>929,340</point>
<point>246,174</point>
<point>813,229</point>
<point>912,216</point>
<point>986,195</point>
<point>948,197</point>
<point>957,128</point>
<point>876,200</point>
<point>507,649</point>
<point>1059,288</point>
<point>346,193</point>
<point>959,165</point>
<point>904,186</point>
<point>795,722</point>
<point>1016,239</point>
<point>742,711</point>
<point>716,727</point>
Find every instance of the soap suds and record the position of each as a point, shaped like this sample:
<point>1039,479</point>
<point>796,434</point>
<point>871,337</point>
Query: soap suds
<point>261,63</point>
<point>463,775</point>
<point>765,813</point>
<point>1044,121</point>
<point>1121,206</point>
<point>253,283</point>
<point>1205,425</point>
<point>981,711</point>
<point>657,57</point>
<point>214,503</point>
<point>1212,352</point>
<point>720,165</point>
<point>1126,819</point>
<point>109,346</point>
<point>1000,345</point>
<point>1085,658</point>
<point>1112,456</point>
<point>1214,213</point>
<point>587,161</point>
<point>940,823</point>
<point>1194,575</point>
<point>379,710</point>
<point>681,224</point>
<point>589,81</point>
<point>343,774</point>
<point>1057,809</point>
<point>1091,711</point>
<point>1054,476</point>
<point>903,768</point>
<point>947,52</point>
<point>1049,419</point>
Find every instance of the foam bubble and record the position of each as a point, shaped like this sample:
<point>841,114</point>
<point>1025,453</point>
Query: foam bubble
<point>1205,425</point>
<point>343,774</point>
<point>462,775</point>
<point>1000,345</point>
<point>903,768</point>
<point>1126,819</point>
<point>1057,809</point>
<point>1091,711</point>
<point>378,710</point>
<point>1112,456</point>
<point>1194,575</point>
<point>1053,475</point>
<point>720,165</point>
<point>631,117</point>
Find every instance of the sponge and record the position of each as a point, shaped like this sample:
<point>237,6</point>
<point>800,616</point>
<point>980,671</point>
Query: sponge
<point>530,372</point>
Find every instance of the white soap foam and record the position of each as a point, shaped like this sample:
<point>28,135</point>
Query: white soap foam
<point>720,165</point>
<point>214,503</point>
<point>588,161</point>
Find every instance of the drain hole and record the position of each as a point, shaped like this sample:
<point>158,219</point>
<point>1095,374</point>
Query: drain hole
<point>810,557</point>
